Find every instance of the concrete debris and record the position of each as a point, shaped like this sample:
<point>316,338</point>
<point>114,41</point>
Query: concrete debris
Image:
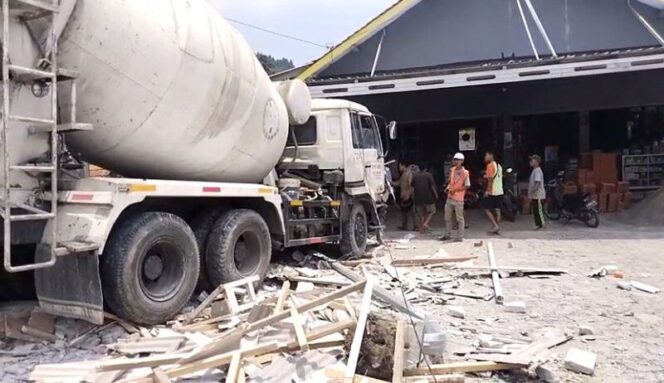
<point>456,311</point>
<point>624,286</point>
<point>644,287</point>
<point>580,361</point>
<point>515,307</point>
<point>546,374</point>
<point>586,330</point>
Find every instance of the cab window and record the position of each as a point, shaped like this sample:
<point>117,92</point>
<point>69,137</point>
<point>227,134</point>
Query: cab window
<point>365,133</point>
<point>305,134</point>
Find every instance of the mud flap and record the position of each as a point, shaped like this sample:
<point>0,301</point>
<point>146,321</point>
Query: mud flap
<point>71,288</point>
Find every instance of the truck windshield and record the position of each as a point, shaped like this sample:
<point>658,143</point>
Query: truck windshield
<point>365,133</point>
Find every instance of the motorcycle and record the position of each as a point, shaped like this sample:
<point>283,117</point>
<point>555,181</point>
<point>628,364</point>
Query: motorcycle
<point>579,206</point>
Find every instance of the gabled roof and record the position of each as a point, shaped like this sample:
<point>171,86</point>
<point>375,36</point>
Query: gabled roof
<point>363,34</point>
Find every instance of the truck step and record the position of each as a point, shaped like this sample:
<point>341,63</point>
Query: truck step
<point>61,128</point>
<point>34,168</point>
<point>74,247</point>
<point>27,74</point>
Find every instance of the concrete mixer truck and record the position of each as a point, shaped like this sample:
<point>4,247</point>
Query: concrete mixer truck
<point>215,166</point>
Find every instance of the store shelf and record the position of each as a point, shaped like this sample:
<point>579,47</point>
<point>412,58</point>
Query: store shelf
<point>643,171</point>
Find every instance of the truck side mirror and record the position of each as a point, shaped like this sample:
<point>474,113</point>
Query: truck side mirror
<point>392,130</point>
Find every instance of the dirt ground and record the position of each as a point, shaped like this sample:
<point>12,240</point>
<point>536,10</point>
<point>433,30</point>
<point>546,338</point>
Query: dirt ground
<point>628,325</point>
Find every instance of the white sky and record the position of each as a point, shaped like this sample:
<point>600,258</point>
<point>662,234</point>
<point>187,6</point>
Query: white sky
<point>325,22</point>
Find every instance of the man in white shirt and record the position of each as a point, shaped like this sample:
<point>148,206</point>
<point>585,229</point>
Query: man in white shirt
<point>536,191</point>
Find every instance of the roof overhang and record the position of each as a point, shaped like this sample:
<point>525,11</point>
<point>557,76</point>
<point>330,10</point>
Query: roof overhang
<point>495,75</point>
<point>357,38</point>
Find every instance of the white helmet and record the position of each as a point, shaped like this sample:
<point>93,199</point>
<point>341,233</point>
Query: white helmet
<point>459,156</point>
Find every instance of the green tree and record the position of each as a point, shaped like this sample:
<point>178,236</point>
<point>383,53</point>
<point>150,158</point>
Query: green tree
<point>273,65</point>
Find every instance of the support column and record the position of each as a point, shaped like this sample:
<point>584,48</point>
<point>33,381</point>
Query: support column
<point>508,137</point>
<point>584,131</point>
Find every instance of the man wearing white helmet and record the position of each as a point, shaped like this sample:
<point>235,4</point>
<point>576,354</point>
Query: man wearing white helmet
<point>456,194</point>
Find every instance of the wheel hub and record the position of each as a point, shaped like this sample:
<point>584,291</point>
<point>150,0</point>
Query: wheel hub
<point>153,267</point>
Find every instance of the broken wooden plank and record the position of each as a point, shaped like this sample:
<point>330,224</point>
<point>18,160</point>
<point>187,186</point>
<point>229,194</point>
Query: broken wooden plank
<point>319,281</point>
<point>397,303</point>
<point>527,355</point>
<point>231,291</point>
<point>463,367</point>
<point>206,302</point>
<point>308,306</point>
<point>159,376</point>
<point>39,334</point>
<point>283,295</point>
<point>130,327</point>
<point>416,262</point>
<point>337,375</point>
<point>220,360</point>
<point>399,343</point>
<point>234,367</point>
<point>299,330</point>
<point>522,269</point>
<point>354,353</point>
<point>454,378</point>
<point>148,345</point>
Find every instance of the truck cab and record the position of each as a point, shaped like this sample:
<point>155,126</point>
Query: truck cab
<point>342,136</point>
<point>340,151</point>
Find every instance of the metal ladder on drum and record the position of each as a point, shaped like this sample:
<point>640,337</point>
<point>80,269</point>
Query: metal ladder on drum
<point>13,211</point>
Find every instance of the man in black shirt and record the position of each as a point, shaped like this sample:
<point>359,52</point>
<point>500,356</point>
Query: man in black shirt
<point>424,197</point>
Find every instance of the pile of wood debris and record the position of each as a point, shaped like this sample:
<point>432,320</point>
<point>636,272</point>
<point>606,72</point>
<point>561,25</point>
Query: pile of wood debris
<point>319,326</point>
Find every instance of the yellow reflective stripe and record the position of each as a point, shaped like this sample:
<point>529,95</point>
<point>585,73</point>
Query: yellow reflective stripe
<point>266,190</point>
<point>296,203</point>
<point>142,188</point>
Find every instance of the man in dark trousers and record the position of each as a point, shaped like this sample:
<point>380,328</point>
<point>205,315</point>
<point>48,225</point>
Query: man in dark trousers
<point>424,197</point>
<point>406,195</point>
<point>536,191</point>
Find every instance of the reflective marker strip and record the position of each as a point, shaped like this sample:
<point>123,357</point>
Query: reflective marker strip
<point>211,189</point>
<point>335,203</point>
<point>138,188</point>
<point>82,197</point>
<point>266,190</point>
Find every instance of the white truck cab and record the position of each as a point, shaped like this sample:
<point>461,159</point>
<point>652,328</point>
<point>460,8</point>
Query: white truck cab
<point>341,135</point>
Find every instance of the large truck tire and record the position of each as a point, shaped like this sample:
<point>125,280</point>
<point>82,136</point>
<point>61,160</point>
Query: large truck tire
<point>201,225</point>
<point>354,232</point>
<point>239,246</point>
<point>149,267</point>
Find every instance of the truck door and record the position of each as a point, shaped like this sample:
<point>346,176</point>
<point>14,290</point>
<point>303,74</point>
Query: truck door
<point>366,167</point>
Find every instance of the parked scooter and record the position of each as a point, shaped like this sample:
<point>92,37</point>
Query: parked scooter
<point>579,206</point>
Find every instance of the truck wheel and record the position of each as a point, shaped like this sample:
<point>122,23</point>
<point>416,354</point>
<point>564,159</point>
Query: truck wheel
<point>150,267</point>
<point>201,225</point>
<point>239,246</point>
<point>354,231</point>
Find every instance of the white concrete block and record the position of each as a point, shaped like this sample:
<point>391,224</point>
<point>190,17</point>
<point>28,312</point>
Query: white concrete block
<point>624,286</point>
<point>580,361</point>
<point>546,374</point>
<point>516,307</point>
<point>456,311</point>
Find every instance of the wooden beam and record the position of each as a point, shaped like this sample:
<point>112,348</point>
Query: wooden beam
<point>523,269</point>
<point>319,281</point>
<point>299,330</point>
<point>379,292</point>
<point>220,360</point>
<point>206,302</point>
<point>399,343</point>
<point>414,262</point>
<point>283,295</point>
<point>461,367</point>
<point>234,368</point>
<point>354,354</point>
<point>159,376</point>
<point>437,379</point>
<point>308,306</point>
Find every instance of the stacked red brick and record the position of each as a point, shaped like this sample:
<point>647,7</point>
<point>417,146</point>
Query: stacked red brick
<point>598,175</point>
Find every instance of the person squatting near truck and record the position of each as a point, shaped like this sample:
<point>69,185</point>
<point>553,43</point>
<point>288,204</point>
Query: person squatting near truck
<point>459,182</point>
